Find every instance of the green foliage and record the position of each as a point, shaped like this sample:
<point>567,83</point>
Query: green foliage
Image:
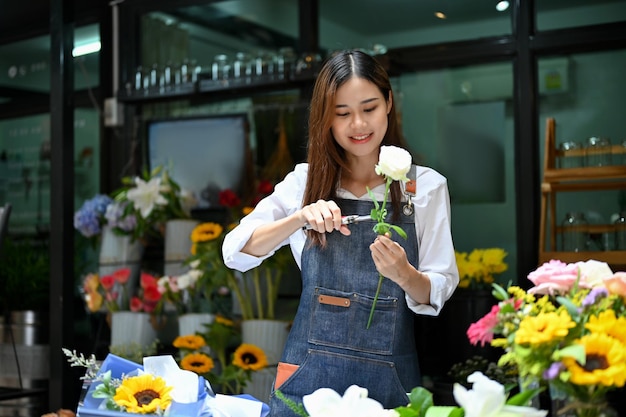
<point>24,275</point>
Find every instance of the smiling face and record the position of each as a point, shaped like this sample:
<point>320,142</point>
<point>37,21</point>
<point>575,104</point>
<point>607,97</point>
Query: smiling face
<point>360,121</point>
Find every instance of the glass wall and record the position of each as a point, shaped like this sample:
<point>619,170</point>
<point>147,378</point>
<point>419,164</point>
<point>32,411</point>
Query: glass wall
<point>552,15</point>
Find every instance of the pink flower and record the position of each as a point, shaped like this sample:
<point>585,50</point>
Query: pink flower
<point>616,284</point>
<point>482,330</point>
<point>554,277</point>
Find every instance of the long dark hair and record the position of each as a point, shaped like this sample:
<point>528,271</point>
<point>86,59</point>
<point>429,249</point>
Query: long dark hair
<point>325,157</point>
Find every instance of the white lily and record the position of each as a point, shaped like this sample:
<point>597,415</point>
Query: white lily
<point>326,402</point>
<point>146,195</point>
<point>487,398</point>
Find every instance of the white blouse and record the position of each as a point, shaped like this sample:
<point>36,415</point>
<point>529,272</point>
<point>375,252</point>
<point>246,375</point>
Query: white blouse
<point>432,224</point>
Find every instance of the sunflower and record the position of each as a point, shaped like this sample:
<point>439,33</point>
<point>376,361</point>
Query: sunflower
<point>198,363</point>
<point>249,357</point>
<point>190,341</point>
<point>543,328</point>
<point>605,362</point>
<point>143,394</point>
<point>206,232</point>
<point>607,322</point>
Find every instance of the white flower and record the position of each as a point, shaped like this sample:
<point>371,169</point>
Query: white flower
<point>325,402</point>
<point>592,273</point>
<point>394,163</point>
<point>185,281</point>
<point>146,195</point>
<point>487,398</point>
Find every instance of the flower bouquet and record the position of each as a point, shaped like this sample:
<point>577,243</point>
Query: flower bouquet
<point>100,211</point>
<point>486,398</point>
<point>120,387</point>
<point>567,331</point>
<point>111,292</point>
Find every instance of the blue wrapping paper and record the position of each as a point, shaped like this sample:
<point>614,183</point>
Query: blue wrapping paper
<point>90,406</point>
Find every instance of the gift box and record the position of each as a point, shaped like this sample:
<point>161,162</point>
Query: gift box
<point>200,401</point>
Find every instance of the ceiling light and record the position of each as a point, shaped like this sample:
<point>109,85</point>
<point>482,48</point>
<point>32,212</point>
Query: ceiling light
<point>87,48</point>
<point>440,15</point>
<point>502,5</point>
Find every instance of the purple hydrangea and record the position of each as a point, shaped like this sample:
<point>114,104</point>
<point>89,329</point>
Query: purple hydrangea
<point>89,218</point>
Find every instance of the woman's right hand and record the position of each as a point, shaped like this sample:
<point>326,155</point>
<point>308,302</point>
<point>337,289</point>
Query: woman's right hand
<point>323,217</point>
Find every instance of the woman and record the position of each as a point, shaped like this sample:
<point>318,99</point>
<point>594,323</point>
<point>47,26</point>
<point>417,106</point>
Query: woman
<point>351,117</point>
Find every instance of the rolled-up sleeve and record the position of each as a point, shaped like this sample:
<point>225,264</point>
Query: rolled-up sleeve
<point>436,248</point>
<point>284,200</point>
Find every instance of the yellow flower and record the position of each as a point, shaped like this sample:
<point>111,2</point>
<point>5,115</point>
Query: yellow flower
<point>543,328</point>
<point>249,357</point>
<point>94,300</point>
<point>197,362</point>
<point>605,362</point>
<point>223,320</point>
<point>247,210</point>
<point>190,341</point>
<point>143,394</point>
<point>607,322</point>
<point>206,232</point>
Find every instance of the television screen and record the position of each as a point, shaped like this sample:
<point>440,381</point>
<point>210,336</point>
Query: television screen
<point>203,155</point>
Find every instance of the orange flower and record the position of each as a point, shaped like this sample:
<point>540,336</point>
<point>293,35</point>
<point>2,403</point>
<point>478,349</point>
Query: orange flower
<point>616,284</point>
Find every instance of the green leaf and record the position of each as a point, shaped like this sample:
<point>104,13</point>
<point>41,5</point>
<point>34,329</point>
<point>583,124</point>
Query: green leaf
<point>572,309</point>
<point>444,411</point>
<point>573,351</point>
<point>524,397</point>
<point>398,230</point>
<point>499,292</point>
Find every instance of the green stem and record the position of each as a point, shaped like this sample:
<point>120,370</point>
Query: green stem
<point>257,292</point>
<point>381,219</point>
<point>380,283</point>
<point>246,308</point>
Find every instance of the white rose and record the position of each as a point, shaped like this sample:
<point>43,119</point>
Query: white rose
<point>593,273</point>
<point>394,163</point>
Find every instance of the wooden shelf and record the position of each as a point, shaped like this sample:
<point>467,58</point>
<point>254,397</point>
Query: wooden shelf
<point>555,180</point>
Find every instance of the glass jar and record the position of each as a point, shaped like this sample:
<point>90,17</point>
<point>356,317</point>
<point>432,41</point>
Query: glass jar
<point>598,152</point>
<point>620,231</point>
<point>220,68</point>
<point>574,234</point>
<point>571,156</point>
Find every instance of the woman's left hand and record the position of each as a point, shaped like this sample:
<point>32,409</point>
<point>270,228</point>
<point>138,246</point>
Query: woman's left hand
<point>390,259</point>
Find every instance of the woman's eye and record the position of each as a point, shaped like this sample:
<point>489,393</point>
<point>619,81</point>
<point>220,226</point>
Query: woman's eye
<point>369,110</point>
<point>341,114</point>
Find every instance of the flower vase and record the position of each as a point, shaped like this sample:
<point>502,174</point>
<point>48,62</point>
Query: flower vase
<point>565,405</point>
<point>177,244</point>
<point>120,251</point>
<point>192,323</point>
<point>129,327</point>
<point>271,336</point>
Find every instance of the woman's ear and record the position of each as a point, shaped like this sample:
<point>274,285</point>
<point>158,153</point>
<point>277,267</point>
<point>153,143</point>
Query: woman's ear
<point>390,102</point>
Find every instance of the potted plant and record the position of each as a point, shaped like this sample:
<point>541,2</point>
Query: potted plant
<point>25,285</point>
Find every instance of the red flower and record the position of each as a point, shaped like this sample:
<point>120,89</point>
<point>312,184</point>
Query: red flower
<point>107,282</point>
<point>265,187</point>
<point>122,275</point>
<point>148,280</point>
<point>136,304</point>
<point>228,198</point>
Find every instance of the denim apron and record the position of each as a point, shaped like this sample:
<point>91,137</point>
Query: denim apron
<point>329,343</point>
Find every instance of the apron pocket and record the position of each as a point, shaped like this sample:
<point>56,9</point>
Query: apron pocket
<point>338,371</point>
<point>342,322</point>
